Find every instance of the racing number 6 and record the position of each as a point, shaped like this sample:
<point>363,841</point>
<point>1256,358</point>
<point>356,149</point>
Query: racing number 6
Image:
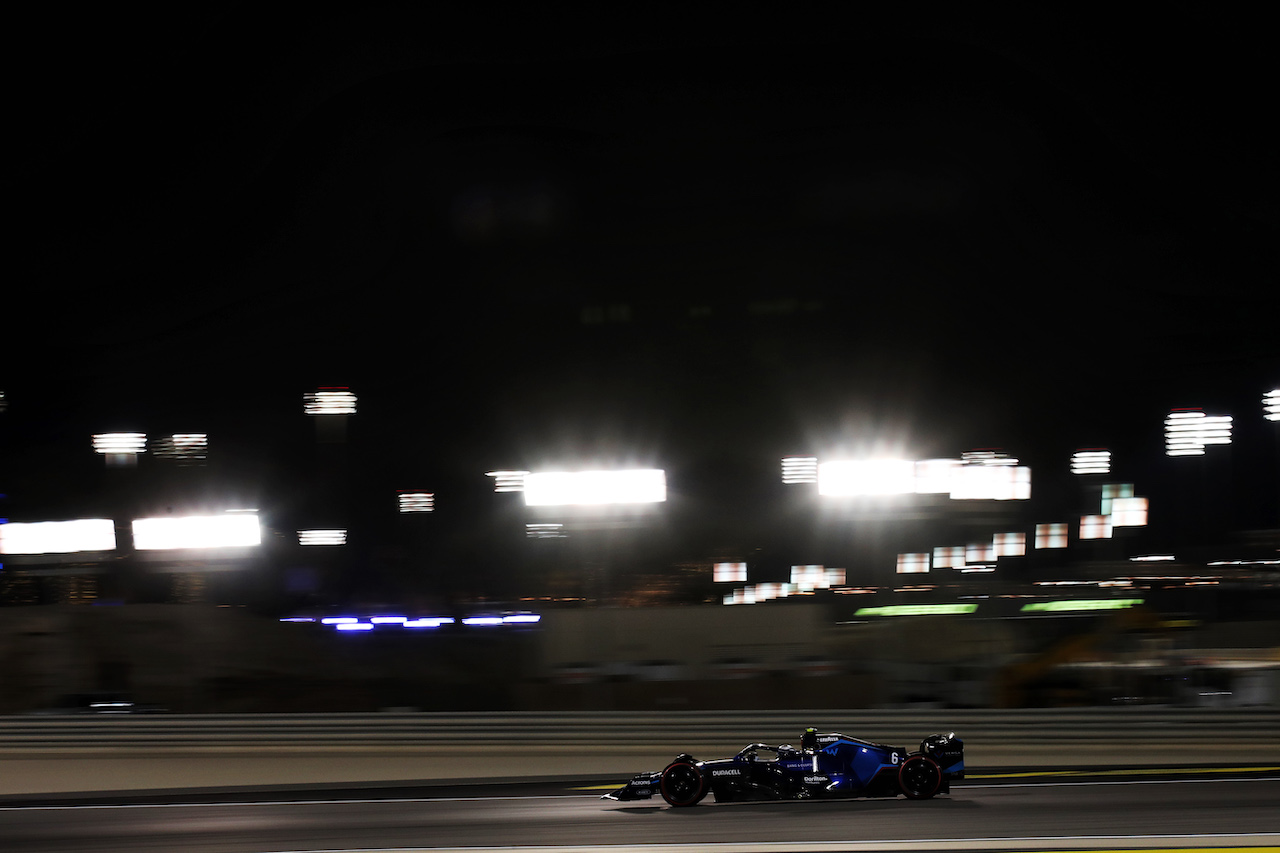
<point>893,757</point>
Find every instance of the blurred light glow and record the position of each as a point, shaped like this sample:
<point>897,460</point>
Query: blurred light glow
<point>354,626</point>
<point>991,480</point>
<point>948,557</point>
<point>1270,405</point>
<point>979,552</point>
<point>1095,527</point>
<point>507,481</point>
<point>1153,558</point>
<point>417,501</point>
<point>934,476</point>
<point>521,619</point>
<point>1010,544</point>
<point>183,447</point>
<point>1129,512</point>
<point>913,564</point>
<point>58,537</point>
<point>729,573</point>
<point>322,537</point>
<point>338,620</point>
<point>1091,461</point>
<point>1080,604</point>
<point>809,578</point>
<point>917,610</point>
<point>389,620</point>
<point>212,531</point>
<point>482,620</point>
<point>117,443</point>
<point>594,488</point>
<point>847,478</point>
<point>1052,535</point>
<point>329,401</point>
<point>1188,431</point>
<point>1111,491</point>
<point>799,469</point>
<point>544,531</point>
<point>428,622</point>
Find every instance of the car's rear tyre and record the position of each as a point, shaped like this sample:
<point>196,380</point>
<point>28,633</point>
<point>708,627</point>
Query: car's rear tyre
<point>919,777</point>
<point>682,784</point>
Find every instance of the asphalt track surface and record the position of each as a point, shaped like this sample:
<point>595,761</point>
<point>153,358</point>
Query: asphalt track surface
<point>1183,808</point>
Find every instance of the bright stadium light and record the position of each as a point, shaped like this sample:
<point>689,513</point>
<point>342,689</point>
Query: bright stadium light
<point>999,478</point>
<point>232,530</point>
<point>948,557</point>
<point>1091,461</point>
<point>1095,527</point>
<point>729,573</point>
<point>415,501</point>
<point>1188,431</point>
<point>1271,405</point>
<point>913,564</point>
<point>854,477</point>
<point>190,448</point>
<point>1129,512</point>
<point>507,481</point>
<point>322,537</point>
<point>120,448</point>
<point>934,476</point>
<point>545,531</point>
<point>58,537</point>
<point>1052,535</point>
<point>799,469</point>
<point>329,401</point>
<point>1010,544</point>
<point>595,488</point>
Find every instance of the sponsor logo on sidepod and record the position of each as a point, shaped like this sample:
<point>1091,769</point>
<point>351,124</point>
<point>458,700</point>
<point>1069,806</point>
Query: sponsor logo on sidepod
<point>816,780</point>
<point>726,772</point>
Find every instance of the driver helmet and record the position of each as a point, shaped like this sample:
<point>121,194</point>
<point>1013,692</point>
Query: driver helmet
<point>809,740</point>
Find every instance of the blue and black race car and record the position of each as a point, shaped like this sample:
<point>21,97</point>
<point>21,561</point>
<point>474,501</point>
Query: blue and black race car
<point>825,766</point>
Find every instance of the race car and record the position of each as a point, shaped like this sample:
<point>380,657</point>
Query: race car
<point>826,766</point>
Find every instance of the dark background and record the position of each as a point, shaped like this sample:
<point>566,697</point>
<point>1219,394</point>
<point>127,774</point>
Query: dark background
<point>693,240</point>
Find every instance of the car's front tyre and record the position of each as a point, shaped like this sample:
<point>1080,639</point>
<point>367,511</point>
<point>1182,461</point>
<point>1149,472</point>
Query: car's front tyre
<point>919,777</point>
<point>682,784</point>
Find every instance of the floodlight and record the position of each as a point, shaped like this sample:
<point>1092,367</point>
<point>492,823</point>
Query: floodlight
<point>338,620</point>
<point>991,480</point>
<point>1113,491</point>
<point>329,401</point>
<point>1091,461</point>
<point>848,478</point>
<point>595,488</point>
<point>545,531</point>
<point>58,537</point>
<point>1270,404</point>
<point>482,620</point>
<point>933,476</point>
<point>948,557</point>
<point>729,573</point>
<point>799,469</point>
<point>1010,544</point>
<point>1188,431</point>
<point>913,564</point>
<point>1129,512</point>
<point>120,443</point>
<point>389,620</point>
<point>185,448</point>
<point>521,619</point>
<point>1051,535</point>
<point>322,537</point>
<point>217,531</point>
<point>979,552</point>
<point>412,501</point>
<point>507,481</point>
<point>1095,527</point>
<point>354,626</point>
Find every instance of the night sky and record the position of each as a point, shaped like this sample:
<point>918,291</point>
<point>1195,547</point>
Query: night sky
<point>699,242</point>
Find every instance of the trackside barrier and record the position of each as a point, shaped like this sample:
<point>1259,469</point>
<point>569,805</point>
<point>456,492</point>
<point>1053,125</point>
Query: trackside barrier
<point>595,730</point>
